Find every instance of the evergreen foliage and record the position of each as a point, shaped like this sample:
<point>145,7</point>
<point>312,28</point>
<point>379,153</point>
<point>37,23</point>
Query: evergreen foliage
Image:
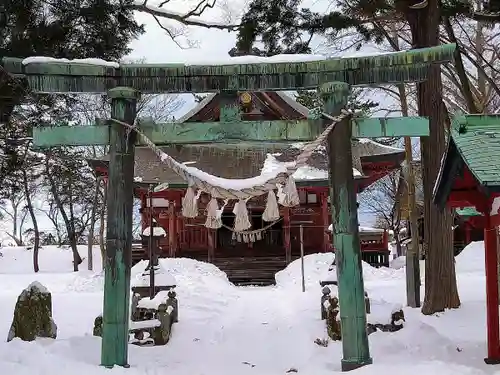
<point>69,29</point>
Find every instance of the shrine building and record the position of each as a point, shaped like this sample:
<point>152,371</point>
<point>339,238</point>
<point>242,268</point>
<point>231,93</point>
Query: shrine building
<point>277,243</point>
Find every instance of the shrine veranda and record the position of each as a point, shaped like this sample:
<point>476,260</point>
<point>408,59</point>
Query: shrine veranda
<point>124,83</point>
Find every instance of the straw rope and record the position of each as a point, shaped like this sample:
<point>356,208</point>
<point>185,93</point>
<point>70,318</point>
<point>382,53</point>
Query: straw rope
<point>196,179</point>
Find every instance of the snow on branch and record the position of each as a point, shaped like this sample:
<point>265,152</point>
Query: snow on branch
<point>189,18</point>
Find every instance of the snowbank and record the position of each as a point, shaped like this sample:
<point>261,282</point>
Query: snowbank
<point>471,259</point>
<point>51,259</point>
<point>398,263</point>
<point>316,269</point>
<point>230,330</point>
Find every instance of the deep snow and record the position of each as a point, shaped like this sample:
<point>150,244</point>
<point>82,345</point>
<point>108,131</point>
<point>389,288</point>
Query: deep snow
<point>227,330</point>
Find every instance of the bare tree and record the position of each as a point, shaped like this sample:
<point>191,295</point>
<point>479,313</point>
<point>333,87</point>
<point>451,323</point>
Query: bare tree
<point>380,198</point>
<point>13,207</point>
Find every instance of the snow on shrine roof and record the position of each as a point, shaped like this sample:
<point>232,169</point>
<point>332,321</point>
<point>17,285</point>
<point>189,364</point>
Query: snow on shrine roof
<point>363,229</point>
<point>230,161</point>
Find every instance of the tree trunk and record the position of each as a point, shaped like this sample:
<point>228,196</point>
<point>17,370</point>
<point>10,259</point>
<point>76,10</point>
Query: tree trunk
<point>465,86</point>
<point>398,241</point>
<point>102,219</point>
<point>29,204</point>
<point>440,280</point>
<point>14,224</point>
<point>70,226</point>
<point>90,255</point>
<point>77,260</point>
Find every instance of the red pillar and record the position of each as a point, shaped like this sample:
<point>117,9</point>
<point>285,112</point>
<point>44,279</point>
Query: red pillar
<point>144,217</point>
<point>492,318</point>
<point>325,219</point>
<point>467,234</point>
<point>172,230</point>
<point>286,234</point>
<point>211,244</point>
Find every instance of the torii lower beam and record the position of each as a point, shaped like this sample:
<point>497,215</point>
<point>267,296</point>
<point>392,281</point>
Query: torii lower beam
<point>227,132</point>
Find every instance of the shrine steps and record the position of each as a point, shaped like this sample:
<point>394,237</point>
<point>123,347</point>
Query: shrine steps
<point>251,270</point>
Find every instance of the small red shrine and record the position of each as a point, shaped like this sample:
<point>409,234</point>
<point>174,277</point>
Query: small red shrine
<point>470,177</point>
<point>190,238</point>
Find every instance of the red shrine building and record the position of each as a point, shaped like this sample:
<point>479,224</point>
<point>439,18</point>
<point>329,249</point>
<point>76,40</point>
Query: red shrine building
<point>469,180</point>
<point>278,244</point>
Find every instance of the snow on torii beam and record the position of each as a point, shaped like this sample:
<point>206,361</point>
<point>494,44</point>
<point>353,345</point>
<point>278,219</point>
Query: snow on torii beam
<point>256,73</point>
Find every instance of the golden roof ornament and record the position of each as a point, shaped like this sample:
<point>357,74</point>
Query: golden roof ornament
<point>246,98</point>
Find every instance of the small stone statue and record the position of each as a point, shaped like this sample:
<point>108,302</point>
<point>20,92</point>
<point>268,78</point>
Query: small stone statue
<point>172,301</point>
<point>332,323</point>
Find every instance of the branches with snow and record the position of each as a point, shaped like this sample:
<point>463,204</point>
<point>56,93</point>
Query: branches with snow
<point>190,17</point>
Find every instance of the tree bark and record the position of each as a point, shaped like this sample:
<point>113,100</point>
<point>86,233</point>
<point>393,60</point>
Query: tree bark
<point>90,242</point>
<point>465,86</point>
<point>412,254</point>
<point>440,279</point>
<point>102,220</point>
<point>77,260</point>
<point>29,204</point>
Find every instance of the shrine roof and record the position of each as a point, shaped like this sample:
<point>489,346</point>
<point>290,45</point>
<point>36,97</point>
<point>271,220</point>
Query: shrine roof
<point>226,161</point>
<point>467,212</point>
<point>474,145</point>
<point>247,160</point>
<point>293,109</point>
<point>370,150</point>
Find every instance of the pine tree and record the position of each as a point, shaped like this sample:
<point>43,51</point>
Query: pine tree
<point>62,29</point>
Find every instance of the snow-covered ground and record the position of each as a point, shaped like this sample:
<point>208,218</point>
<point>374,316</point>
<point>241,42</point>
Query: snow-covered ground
<point>227,330</point>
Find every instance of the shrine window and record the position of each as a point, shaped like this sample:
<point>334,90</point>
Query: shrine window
<point>312,198</point>
<point>307,198</point>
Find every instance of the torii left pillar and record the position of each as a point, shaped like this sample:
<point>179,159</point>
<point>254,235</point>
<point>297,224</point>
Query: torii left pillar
<point>118,260</point>
<point>355,348</point>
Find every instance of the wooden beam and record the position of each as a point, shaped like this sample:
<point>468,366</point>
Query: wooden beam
<point>282,131</point>
<point>71,136</point>
<point>377,127</point>
<point>186,133</point>
<point>64,76</point>
<point>240,131</point>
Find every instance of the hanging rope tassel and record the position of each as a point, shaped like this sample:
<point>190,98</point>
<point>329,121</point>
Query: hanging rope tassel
<point>190,203</point>
<point>241,221</point>
<point>213,219</point>
<point>289,196</point>
<point>272,211</point>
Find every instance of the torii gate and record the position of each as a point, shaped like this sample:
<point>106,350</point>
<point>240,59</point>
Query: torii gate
<point>124,83</point>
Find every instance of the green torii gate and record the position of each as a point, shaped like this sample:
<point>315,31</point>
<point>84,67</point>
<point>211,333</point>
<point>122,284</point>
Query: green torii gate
<point>124,83</point>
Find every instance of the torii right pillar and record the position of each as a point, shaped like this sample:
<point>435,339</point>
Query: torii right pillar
<point>355,348</point>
